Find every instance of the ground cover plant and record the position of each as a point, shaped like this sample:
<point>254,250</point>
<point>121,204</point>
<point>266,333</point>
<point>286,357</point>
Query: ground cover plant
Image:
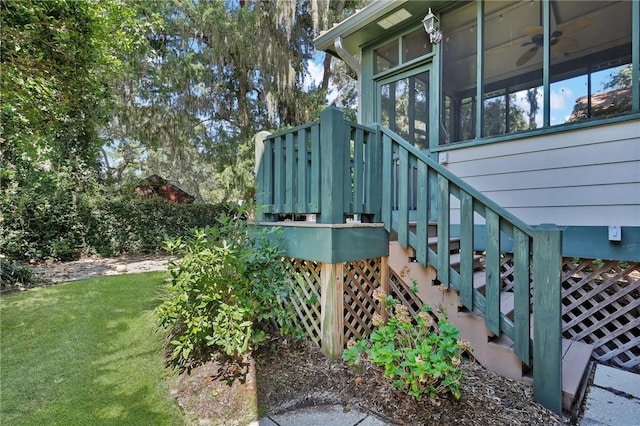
<point>421,355</point>
<point>86,352</point>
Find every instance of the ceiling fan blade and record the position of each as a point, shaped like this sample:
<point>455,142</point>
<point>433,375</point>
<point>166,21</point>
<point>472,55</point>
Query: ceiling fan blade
<point>565,45</point>
<point>574,26</point>
<point>526,56</point>
<point>533,30</point>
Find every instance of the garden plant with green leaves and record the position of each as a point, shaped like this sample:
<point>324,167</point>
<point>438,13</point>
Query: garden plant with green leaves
<point>227,293</point>
<point>420,355</point>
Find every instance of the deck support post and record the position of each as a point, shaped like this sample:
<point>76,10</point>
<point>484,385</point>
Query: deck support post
<point>547,317</point>
<point>332,309</point>
<point>384,282</point>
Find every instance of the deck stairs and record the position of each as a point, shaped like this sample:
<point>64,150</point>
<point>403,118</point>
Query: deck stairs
<point>335,170</point>
<point>495,353</point>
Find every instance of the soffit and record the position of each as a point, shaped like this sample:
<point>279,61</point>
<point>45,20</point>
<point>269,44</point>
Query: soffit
<point>362,27</point>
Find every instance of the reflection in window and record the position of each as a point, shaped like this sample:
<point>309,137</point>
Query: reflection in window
<point>458,75</point>
<point>386,57</point>
<point>404,108</point>
<point>512,67</point>
<point>590,60</point>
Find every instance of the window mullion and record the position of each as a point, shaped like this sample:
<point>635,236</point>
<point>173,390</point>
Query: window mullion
<point>480,69</point>
<point>546,62</point>
<point>635,56</point>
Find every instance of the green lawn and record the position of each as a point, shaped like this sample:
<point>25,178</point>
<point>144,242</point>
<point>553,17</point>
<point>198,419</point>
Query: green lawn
<point>85,353</point>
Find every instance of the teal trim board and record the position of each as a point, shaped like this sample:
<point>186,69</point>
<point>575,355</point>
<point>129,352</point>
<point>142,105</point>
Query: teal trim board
<point>587,242</point>
<point>332,243</point>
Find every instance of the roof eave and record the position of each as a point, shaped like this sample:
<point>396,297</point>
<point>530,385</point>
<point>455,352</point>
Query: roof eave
<point>352,24</point>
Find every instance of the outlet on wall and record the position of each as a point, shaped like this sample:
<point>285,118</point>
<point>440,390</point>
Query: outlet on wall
<point>615,233</point>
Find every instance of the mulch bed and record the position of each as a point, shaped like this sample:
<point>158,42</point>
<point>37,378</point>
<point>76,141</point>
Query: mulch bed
<point>288,376</point>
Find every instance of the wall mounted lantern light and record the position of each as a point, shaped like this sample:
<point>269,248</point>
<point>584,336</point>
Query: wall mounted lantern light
<point>430,23</point>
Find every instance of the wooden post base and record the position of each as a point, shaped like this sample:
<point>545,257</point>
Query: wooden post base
<point>332,309</point>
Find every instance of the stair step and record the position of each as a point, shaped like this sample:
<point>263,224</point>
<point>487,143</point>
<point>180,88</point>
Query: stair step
<point>454,244</point>
<point>454,261</point>
<point>575,359</point>
<point>506,305</point>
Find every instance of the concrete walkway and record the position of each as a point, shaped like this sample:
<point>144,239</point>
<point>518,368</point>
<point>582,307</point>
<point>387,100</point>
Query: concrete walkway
<point>613,399</point>
<point>321,415</point>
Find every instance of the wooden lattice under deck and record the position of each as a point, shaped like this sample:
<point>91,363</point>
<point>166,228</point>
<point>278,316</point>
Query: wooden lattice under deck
<point>361,278</point>
<point>306,296</point>
<point>601,303</point>
<point>601,306</point>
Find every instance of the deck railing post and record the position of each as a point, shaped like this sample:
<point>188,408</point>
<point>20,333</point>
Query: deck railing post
<point>333,154</point>
<point>547,317</point>
<point>263,171</point>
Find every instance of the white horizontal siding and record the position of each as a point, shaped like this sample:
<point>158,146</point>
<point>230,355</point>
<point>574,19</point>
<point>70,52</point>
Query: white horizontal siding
<point>586,177</point>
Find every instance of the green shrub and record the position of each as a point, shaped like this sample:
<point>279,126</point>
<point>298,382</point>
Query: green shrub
<point>226,293</point>
<point>46,215</point>
<point>140,225</point>
<point>39,220</point>
<point>14,274</point>
<point>419,355</point>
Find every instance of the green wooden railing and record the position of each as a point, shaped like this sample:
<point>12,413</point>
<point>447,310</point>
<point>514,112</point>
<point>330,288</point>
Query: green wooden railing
<point>334,169</point>
<point>330,168</point>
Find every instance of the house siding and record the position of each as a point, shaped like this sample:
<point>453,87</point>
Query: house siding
<point>583,177</point>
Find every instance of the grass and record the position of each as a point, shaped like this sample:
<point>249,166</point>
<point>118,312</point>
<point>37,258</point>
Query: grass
<point>86,352</point>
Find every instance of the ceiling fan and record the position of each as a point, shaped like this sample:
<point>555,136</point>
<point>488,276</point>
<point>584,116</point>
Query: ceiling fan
<point>559,41</point>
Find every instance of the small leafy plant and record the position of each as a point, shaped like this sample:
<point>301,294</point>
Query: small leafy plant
<point>420,355</point>
<point>226,293</point>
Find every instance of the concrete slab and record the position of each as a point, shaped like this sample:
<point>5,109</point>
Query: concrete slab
<point>620,380</point>
<point>334,415</point>
<point>606,408</point>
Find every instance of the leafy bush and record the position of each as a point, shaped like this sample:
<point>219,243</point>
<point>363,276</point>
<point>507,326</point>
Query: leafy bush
<point>14,274</point>
<point>140,225</point>
<point>421,356</point>
<point>226,294</point>
<point>39,218</point>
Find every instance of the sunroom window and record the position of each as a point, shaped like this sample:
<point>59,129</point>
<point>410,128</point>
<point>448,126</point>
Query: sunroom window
<point>590,60</point>
<point>416,44</point>
<point>589,69</point>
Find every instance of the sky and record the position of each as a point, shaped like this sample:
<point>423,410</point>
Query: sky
<point>315,69</point>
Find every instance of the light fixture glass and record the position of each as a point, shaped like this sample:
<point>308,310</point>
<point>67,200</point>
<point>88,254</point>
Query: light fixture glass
<point>430,23</point>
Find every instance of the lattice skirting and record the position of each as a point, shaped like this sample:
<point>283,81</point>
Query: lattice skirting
<point>601,303</point>
<point>306,295</point>
<point>601,306</point>
<point>361,278</point>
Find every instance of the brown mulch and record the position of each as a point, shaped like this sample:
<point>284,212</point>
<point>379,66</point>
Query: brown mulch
<point>296,375</point>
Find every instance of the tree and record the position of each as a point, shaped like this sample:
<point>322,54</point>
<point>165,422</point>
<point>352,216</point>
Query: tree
<point>495,116</point>
<point>216,72</point>
<point>58,58</point>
